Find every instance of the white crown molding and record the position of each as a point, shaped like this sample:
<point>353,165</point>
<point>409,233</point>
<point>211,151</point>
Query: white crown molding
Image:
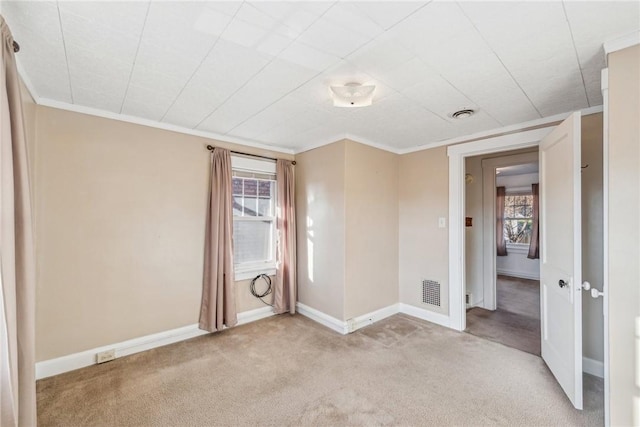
<point>159,125</point>
<point>59,365</point>
<point>621,42</point>
<point>501,131</point>
<point>373,144</point>
<point>350,137</point>
<point>321,143</point>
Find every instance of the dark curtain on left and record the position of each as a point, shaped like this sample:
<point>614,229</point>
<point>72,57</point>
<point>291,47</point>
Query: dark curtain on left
<point>17,259</point>
<point>501,244</point>
<point>218,306</point>
<point>534,245</point>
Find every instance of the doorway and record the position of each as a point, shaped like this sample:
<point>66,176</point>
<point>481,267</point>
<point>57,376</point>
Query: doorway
<point>560,284</point>
<point>504,304</point>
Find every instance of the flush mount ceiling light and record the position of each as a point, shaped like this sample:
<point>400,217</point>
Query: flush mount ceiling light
<point>352,95</point>
<point>463,114</point>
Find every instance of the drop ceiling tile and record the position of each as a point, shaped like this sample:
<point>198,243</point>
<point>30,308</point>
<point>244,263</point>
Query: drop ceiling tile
<point>36,27</point>
<point>295,15</point>
<point>388,14</point>
<point>404,75</point>
<point>227,7</point>
<point>51,83</point>
<point>96,91</point>
<point>438,96</point>
<point>223,72</point>
<point>379,55</point>
<point>96,64</point>
<point>92,36</point>
<point>432,24</point>
<point>243,34</point>
<point>332,38</point>
<point>274,44</point>
<point>348,15</point>
<point>147,103</point>
<point>598,22</point>
<point>254,16</point>
<point>126,18</point>
<point>306,56</point>
<point>193,29</point>
<point>281,111</point>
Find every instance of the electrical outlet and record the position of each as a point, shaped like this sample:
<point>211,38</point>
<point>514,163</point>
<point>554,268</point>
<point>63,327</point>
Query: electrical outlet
<point>106,356</point>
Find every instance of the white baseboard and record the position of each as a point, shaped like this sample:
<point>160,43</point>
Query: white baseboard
<point>428,315</point>
<point>324,319</point>
<point>518,274</point>
<point>48,368</point>
<point>370,318</point>
<point>593,367</point>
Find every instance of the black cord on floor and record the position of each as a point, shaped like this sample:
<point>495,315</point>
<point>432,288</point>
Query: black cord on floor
<point>267,291</point>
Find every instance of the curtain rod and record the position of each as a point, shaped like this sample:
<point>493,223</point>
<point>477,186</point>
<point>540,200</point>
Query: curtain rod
<point>211,147</point>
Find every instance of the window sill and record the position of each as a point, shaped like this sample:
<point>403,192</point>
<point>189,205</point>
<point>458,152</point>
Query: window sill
<point>518,248</point>
<point>246,274</point>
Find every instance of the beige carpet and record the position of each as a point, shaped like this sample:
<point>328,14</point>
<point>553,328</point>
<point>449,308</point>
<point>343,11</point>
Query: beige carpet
<point>288,370</point>
<point>516,322</point>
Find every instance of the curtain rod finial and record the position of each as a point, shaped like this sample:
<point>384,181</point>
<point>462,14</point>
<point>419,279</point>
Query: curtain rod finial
<point>210,147</point>
<point>16,47</point>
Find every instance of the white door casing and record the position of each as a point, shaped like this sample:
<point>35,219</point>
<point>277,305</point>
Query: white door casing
<point>561,256</point>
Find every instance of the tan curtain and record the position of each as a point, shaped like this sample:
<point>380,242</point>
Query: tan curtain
<point>285,292</point>
<point>17,296</point>
<point>534,245</point>
<point>501,244</point>
<point>218,307</point>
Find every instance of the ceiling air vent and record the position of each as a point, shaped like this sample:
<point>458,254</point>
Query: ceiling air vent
<point>463,114</point>
<point>431,292</point>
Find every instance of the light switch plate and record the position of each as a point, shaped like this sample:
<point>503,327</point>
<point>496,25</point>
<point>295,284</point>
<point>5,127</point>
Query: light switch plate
<point>442,222</point>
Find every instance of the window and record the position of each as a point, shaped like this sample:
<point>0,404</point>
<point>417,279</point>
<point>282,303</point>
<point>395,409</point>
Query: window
<point>254,224</point>
<point>518,218</point>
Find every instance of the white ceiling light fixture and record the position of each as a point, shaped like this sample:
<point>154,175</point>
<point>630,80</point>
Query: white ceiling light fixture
<point>352,95</point>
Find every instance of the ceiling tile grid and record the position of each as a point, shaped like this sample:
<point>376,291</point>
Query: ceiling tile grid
<point>261,71</point>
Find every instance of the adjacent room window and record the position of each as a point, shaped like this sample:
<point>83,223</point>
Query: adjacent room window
<point>254,224</point>
<point>518,218</point>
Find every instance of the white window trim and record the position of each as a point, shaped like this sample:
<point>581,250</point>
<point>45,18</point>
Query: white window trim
<point>249,270</point>
<point>518,248</point>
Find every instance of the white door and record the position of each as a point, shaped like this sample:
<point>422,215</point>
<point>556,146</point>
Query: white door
<point>561,256</point>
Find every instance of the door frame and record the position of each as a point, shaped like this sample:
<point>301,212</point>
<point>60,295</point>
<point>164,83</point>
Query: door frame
<point>489,257</point>
<point>457,155</point>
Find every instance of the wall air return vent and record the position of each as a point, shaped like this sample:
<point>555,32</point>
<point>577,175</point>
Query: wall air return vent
<point>431,292</point>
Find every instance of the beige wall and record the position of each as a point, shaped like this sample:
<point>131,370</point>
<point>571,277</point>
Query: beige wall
<point>474,235</point>
<point>347,198</point>
<point>320,210</point>
<point>119,231</point>
<point>624,232</point>
<point>423,247</point>
<point>592,237</point>
<point>371,201</point>
<point>29,111</point>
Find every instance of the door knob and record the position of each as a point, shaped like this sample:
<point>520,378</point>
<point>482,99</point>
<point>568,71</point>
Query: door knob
<point>586,285</point>
<point>562,283</point>
<point>596,293</point>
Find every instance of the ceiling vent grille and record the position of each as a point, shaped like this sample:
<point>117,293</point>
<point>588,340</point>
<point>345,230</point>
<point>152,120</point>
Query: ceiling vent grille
<point>431,292</point>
